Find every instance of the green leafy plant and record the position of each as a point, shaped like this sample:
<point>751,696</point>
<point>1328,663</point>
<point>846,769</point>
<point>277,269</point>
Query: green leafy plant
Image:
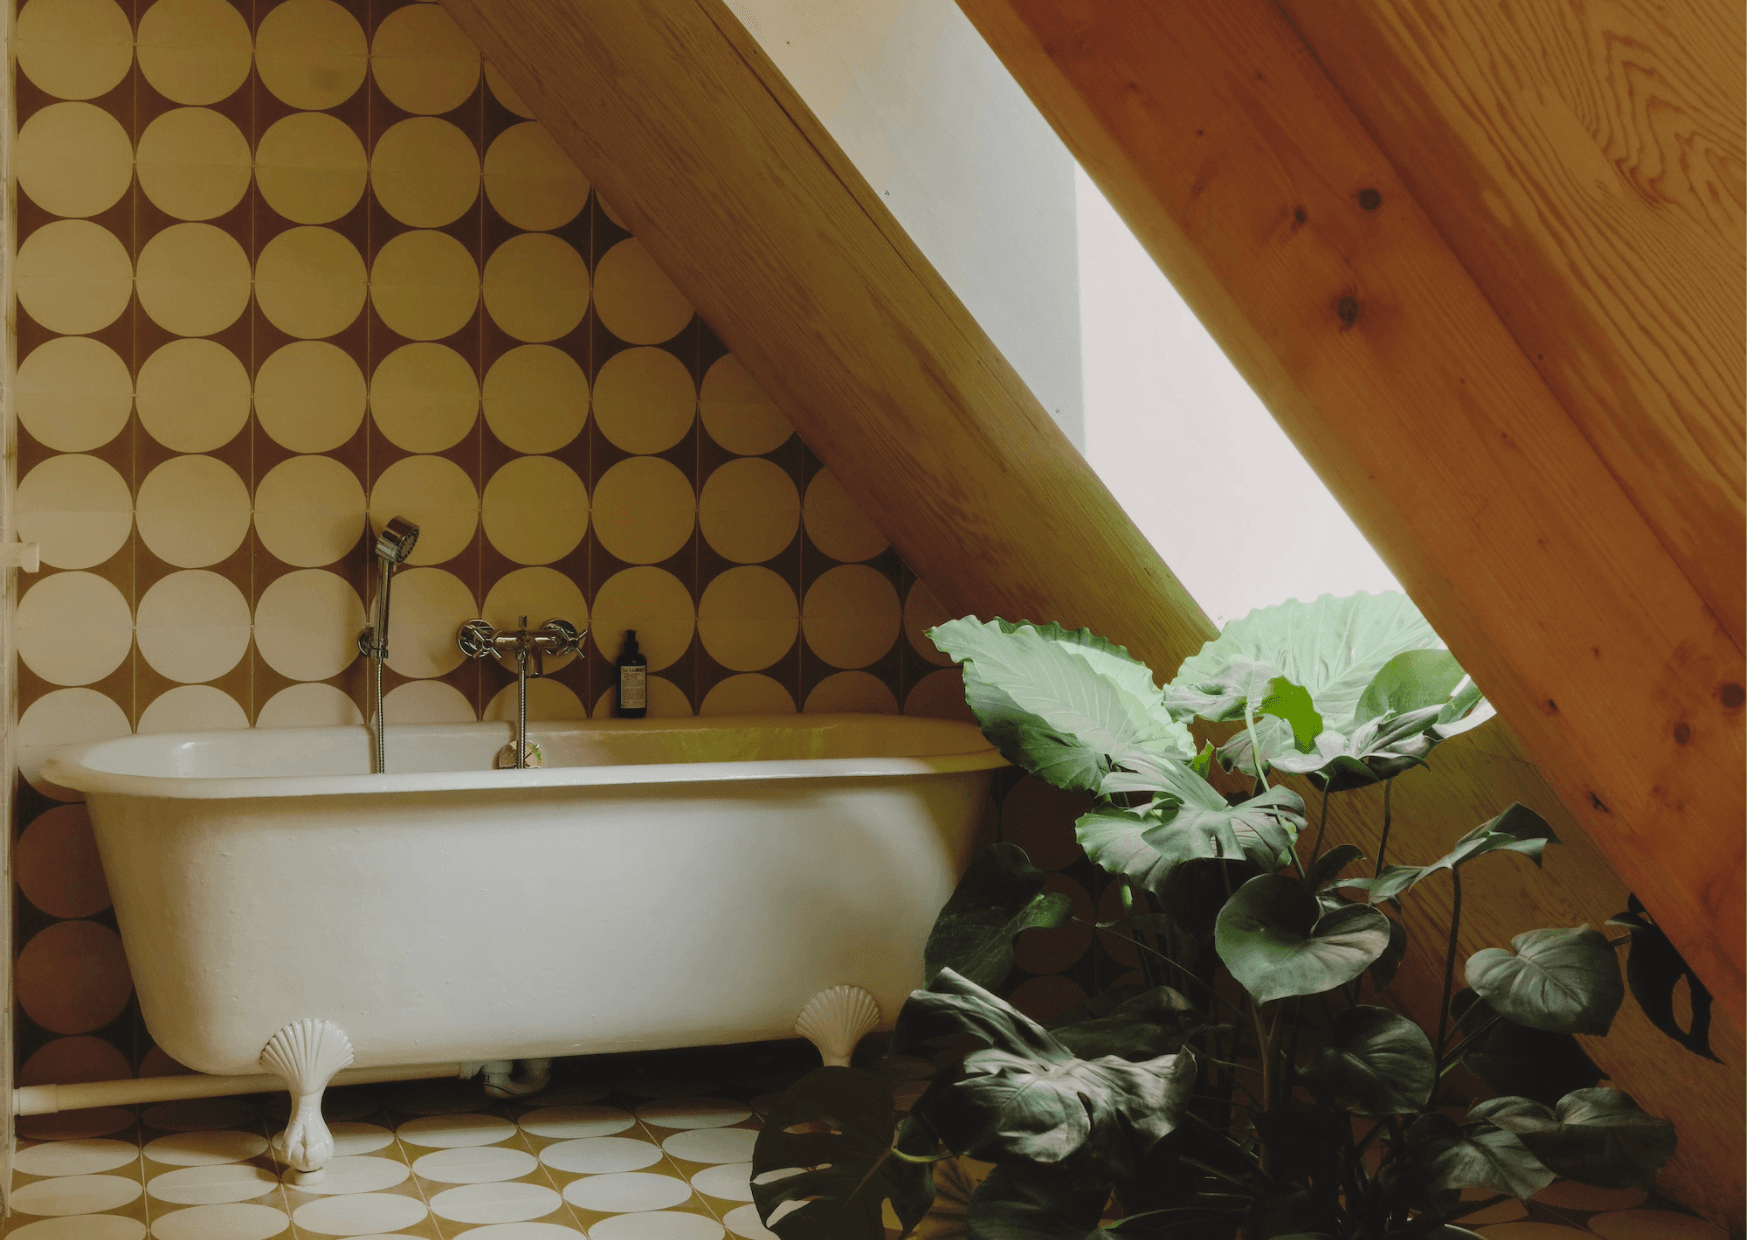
<point>1249,1085</point>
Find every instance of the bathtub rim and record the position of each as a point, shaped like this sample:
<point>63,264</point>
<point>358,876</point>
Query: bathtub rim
<point>68,767</point>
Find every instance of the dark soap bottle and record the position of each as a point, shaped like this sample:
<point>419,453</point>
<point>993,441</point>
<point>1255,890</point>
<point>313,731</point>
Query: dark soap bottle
<point>633,699</point>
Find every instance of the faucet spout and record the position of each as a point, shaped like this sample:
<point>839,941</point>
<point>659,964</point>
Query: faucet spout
<point>479,640</point>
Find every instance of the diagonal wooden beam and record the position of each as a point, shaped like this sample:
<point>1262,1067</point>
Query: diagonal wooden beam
<point>1232,156</point>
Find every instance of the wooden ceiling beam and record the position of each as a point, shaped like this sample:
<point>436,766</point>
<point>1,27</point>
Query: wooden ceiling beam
<point>1218,137</point>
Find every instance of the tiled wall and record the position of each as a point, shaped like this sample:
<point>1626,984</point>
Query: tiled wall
<point>289,268</point>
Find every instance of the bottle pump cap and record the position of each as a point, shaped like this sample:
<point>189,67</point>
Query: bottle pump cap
<point>630,642</point>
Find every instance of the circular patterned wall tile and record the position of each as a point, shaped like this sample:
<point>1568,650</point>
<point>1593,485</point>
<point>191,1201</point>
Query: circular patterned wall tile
<point>597,1155</point>
<point>74,393</point>
<point>193,279</point>
<point>547,699</point>
<point>73,277</point>
<point>1040,819</point>
<point>193,626</point>
<point>666,701</point>
<point>210,1148</point>
<point>236,1221</point>
<point>851,616</point>
<point>737,413</point>
<point>657,1225</point>
<point>436,495</point>
<point>574,1122</point>
<point>311,54</point>
<point>1046,998</point>
<point>205,1186</point>
<point>422,60</point>
<point>644,400</point>
<point>837,524</point>
<point>64,717</point>
<point>425,285</point>
<point>76,508</point>
<point>72,978</point>
<point>310,281</point>
<point>357,1174</point>
<point>439,1097</point>
<point>485,1164</point>
<point>627,1192</point>
<point>198,1118</point>
<point>311,167</point>
<point>309,706</point>
<point>689,1112</point>
<point>192,708</point>
<point>87,1157</point>
<point>644,510</point>
<point>307,623</point>
<point>541,594</point>
<point>192,511</point>
<point>447,1132</point>
<point>65,1061</point>
<point>726,1182</point>
<point>193,395</point>
<point>504,93</point>
<point>309,511</point>
<point>193,163</point>
<point>851,692</point>
<point>634,297</point>
<point>535,510</point>
<point>743,1221</point>
<point>310,396</point>
<point>59,869</point>
<point>923,612</point>
<point>536,398</point>
<point>747,694</point>
<point>424,397</point>
<point>71,1125</point>
<point>495,1203</point>
<point>73,159</point>
<point>75,1194</point>
<point>425,172</point>
<point>429,606</point>
<point>73,628</point>
<point>939,695</point>
<point>536,287</point>
<point>655,603</point>
<point>1052,951</point>
<point>747,618</point>
<point>194,51</point>
<point>712,1145</point>
<point>74,49</point>
<point>426,701</point>
<point>530,181</point>
<point>748,510</point>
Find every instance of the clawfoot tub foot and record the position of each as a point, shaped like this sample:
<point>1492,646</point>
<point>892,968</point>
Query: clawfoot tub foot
<point>835,1020</point>
<point>306,1053</point>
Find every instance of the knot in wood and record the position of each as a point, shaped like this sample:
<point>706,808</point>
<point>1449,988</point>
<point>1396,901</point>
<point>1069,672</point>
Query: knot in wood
<point>1348,311</point>
<point>1370,200</point>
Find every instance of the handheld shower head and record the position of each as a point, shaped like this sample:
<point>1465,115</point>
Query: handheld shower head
<point>396,541</point>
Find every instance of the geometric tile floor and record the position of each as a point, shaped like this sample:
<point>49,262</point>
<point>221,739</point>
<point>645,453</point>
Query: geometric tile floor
<point>630,1147</point>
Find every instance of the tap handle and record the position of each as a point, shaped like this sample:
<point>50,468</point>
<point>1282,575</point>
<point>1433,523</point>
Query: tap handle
<point>476,639</point>
<point>564,636</point>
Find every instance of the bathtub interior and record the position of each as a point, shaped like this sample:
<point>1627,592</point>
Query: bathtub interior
<point>445,748</point>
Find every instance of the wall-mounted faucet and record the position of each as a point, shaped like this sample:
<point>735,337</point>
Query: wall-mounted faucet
<point>393,546</point>
<point>479,640</point>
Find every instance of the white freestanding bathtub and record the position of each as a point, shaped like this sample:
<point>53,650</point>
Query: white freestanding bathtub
<point>660,883</point>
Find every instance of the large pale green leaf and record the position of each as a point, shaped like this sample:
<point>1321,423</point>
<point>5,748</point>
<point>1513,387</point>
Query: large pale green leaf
<point>843,1174</point>
<point>1001,894</point>
<point>1597,1136</point>
<point>1146,844</point>
<point>1560,980</point>
<point>1518,829</point>
<point>1275,944</point>
<point>1474,1155</point>
<point>1065,705</point>
<point>1375,1063</point>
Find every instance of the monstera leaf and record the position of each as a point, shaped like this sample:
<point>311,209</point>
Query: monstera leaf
<point>1146,844</point>
<point>1065,705</point>
<point>1598,1136</point>
<point>1375,1063</point>
<point>1276,944</point>
<point>1001,894</point>
<point>1518,829</point>
<point>1026,1097</point>
<point>846,1172</point>
<point>1145,1026</point>
<point>1037,1203</point>
<point>1475,1154</point>
<point>1562,981</point>
<point>1513,1059</point>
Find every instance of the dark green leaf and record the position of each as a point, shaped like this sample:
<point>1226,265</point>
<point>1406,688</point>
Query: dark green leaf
<point>1518,829</point>
<point>1597,1136</point>
<point>1304,1141</point>
<point>1413,680</point>
<point>1324,869</point>
<point>1196,891</point>
<point>1384,968</point>
<point>1513,1059</point>
<point>1474,1155</point>
<point>1563,981</point>
<point>1037,1203</point>
<point>1156,1022</point>
<point>1001,894</point>
<point>1292,704</point>
<point>954,1017</point>
<point>847,1172</point>
<point>1275,944</point>
<point>1654,970</point>
<point>1375,1063</point>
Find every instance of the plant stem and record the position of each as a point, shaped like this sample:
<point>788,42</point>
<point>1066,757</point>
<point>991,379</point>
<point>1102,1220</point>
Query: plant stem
<point>1255,750</point>
<point>1322,822</point>
<point>1126,893</point>
<point>1444,1007</point>
<point>1384,839</point>
<point>1265,1051</point>
<point>1447,1062</point>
